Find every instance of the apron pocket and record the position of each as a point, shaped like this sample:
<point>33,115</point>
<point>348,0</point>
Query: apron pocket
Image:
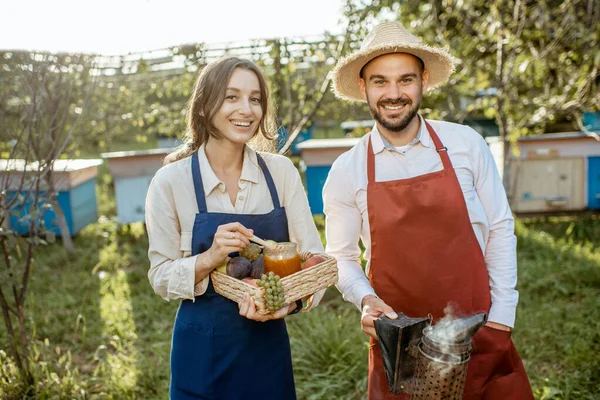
<point>491,360</point>
<point>500,388</point>
<point>490,340</point>
<point>497,389</point>
<point>192,359</point>
<point>197,314</point>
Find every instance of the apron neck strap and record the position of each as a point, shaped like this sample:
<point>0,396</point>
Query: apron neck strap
<point>370,162</point>
<point>439,147</point>
<point>269,179</point>
<point>199,187</point>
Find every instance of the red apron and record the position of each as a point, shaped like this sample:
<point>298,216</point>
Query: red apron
<point>424,255</point>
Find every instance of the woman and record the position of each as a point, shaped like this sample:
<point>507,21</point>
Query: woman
<point>212,195</point>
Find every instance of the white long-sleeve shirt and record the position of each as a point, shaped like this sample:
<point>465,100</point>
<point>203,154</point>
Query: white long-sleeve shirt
<point>171,208</point>
<point>347,218</point>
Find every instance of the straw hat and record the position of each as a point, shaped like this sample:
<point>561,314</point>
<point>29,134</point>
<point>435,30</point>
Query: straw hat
<point>389,37</point>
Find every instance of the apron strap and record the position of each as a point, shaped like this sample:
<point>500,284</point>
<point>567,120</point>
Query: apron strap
<point>439,147</point>
<point>199,187</point>
<point>370,162</point>
<point>269,178</point>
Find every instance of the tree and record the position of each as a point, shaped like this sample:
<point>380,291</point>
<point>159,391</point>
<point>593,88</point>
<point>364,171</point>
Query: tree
<point>43,100</point>
<point>302,80</point>
<point>524,63</point>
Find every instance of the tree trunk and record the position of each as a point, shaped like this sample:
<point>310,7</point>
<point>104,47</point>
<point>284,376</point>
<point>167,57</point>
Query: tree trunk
<point>62,226</point>
<point>501,117</point>
<point>61,220</point>
<point>12,336</point>
<point>306,118</point>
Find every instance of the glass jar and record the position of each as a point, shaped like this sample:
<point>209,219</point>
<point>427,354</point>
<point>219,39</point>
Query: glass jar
<point>283,259</point>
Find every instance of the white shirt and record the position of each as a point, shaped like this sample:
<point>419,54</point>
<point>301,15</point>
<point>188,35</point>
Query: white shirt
<point>171,208</point>
<point>347,219</point>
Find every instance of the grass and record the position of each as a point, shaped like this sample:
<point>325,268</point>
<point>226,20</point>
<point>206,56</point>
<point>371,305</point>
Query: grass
<point>101,333</point>
<point>558,322</point>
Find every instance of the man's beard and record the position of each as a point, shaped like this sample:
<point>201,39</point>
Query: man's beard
<point>396,125</point>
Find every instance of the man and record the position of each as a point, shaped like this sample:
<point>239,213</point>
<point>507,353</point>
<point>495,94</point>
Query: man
<point>428,204</point>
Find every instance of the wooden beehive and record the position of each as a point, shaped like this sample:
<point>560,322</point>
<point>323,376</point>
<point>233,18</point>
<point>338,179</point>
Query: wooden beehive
<point>132,172</point>
<point>74,182</point>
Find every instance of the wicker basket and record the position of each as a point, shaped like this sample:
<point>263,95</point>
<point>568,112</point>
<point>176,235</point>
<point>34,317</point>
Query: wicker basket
<point>295,286</point>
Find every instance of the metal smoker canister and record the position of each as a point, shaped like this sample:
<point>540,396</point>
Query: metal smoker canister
<point>441,368</point>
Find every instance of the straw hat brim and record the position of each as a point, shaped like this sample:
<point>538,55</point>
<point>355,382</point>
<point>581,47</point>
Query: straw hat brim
<point>346,73</point>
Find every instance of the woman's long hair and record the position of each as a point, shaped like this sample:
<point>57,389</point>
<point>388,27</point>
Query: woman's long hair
<point>206,100</point>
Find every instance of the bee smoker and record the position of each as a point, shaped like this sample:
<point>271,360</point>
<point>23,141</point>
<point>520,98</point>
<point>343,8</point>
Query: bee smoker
<point>425,361</point>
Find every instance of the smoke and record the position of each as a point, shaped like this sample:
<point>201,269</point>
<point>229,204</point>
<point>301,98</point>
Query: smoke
<point>445,330</point>
<point>445,348</point>
<point>451,336</point>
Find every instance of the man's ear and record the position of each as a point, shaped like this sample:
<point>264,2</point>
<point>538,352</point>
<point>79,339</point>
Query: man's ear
<point>363,88</point>
<point>425,80</point>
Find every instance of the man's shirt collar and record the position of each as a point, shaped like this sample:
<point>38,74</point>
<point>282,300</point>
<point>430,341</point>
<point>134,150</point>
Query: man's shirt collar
<point>380,143</point>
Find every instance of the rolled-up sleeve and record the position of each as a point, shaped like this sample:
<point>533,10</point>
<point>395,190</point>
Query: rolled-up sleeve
<point>343,225</point>
<point>171,274</point>
<point>501,247</point>
<point>300,221</point>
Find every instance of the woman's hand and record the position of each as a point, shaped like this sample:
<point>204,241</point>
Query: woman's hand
<point>248,310</point>
<point>229,238</point>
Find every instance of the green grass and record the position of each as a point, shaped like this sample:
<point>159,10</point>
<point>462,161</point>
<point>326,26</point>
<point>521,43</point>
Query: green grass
<point>101,333</point>
<point>558,321</point>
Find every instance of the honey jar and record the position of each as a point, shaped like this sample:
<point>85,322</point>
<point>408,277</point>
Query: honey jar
<point>283,259</point>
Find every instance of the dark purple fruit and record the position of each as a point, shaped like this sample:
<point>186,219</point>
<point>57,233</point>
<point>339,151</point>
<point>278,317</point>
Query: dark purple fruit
<point>239,267</point>
<point>258,268</point>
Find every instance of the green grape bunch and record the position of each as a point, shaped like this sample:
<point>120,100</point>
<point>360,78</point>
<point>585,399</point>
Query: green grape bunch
<point>273,290</point>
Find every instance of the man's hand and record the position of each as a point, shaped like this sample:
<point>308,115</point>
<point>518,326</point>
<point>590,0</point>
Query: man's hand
<point>495,325</point>
<point>372,308</point>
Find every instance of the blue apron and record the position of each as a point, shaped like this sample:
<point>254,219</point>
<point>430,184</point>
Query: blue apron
<point>217,354</point>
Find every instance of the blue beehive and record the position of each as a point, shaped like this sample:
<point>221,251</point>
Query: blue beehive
<point>132,172</point>
<point>594,183</point>
<point>74,182</point>
<point>317,157</point>
<point>591,121</point>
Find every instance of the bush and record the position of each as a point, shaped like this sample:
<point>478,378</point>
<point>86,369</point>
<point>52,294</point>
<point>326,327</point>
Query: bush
<point>329,352</point>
